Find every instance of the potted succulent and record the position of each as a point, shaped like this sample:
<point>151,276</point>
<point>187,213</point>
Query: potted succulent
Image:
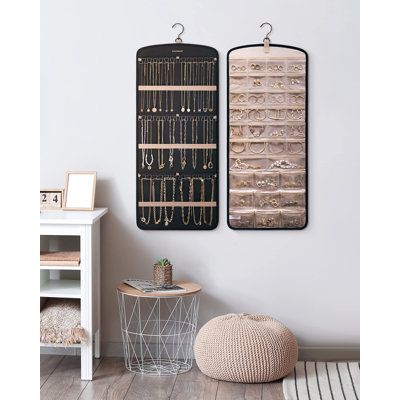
<point>162,272</point>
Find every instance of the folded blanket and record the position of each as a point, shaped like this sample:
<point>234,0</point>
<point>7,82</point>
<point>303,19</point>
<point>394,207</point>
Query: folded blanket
<point>60,322</point>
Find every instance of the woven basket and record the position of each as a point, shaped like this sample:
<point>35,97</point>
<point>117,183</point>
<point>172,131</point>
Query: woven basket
<point>162,276</point>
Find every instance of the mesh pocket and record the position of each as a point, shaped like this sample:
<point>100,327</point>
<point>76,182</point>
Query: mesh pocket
<point>266,180</point>
<point>293,199</point>
<point>267,200</point>
<point>267,219</point>
<point>239,180</point>
<point>241,219</point>
<point>293,219</point>
<point>293,180</point>
<point>240,199</point>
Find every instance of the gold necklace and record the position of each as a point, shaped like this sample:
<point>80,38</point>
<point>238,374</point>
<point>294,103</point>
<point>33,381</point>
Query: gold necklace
<point>160,140</point>
<point>194,141</point>
<point>171,141</point>
<point>185,220</point>
<point>167,220</point>
<point>210,208</point>
<point>183,141</point>
<point>198,222</point>
<point>157,220</point>
<point>143,218</point>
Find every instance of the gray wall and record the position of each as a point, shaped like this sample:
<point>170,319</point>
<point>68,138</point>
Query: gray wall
<point>308,279</point>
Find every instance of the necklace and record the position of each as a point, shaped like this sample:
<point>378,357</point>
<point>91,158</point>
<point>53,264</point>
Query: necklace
<point>171,140</point>
<point>183,141</point>
<point>194,141</point>
<point>198,222</point>
<point>143,141</point>
<point>172,83</point>
<point>157,220</point>
<point>143,218</point>
<point>186,219</point>
<point>210,208</point>
<point>205,135</point>
<point>168,220</point>
<point>148,128</point>
<point>160,140</point>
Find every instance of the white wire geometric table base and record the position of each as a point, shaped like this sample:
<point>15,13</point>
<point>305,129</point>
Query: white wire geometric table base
<point>158,332</point>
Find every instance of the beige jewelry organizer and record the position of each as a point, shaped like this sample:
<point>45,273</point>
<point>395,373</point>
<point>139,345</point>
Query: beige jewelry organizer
<point>267,137</point>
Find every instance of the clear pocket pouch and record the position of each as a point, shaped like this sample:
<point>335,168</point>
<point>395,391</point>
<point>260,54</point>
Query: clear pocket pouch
<point>238,82</point>
<point>237,163</point>
<point>295,147</point>
<point>276,131</point>
<point>295,99</point>
<point>276,147</point>
<point>296,67</point>
<point>257,66</point>
<point>256,131</point>
<point>296,114</point>
<point>239,180</point>
<point>295,82</point>
<point>266,180</point>
<point>237,66</point>
<point>240,219</point>
<point>256,99</point>
<point>296,131</point>
<point>240,199</point>
<point>257,82</point>
<point>266,115</point>
<point>293,219</point>
<point>267,219</point>
<point>276,82</point>
<point>238,98</point>
<point>236,131</point>
<point>254,147</point>
<point>285,163</point>
<point>275,99</point>
<point>295,199</point>
<point>237,115</point>
<point>293,180</point>
<point>267,200</point>
<point>275,67</point>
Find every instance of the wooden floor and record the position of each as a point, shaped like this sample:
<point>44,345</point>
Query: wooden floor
<point>60,379</point>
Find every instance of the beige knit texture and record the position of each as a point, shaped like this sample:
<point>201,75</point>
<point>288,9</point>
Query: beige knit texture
<point>245,348</point>
<point>60,322</point>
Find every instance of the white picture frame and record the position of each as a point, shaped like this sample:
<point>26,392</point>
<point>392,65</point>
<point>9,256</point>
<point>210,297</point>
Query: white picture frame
<point>80,189</point>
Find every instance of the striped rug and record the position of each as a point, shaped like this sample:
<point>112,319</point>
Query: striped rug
<point>323,381</point>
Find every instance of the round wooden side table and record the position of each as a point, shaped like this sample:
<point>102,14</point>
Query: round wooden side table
<point>159,328</point>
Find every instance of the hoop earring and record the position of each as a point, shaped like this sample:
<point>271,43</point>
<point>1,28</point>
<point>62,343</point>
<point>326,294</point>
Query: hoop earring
<point>280,146</point>
<point>250,145</point>
<point>240,149</point>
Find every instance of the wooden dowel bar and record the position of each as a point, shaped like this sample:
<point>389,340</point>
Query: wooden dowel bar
<point>177,204</point>
<point>177,146</point>
<point>176,88</point>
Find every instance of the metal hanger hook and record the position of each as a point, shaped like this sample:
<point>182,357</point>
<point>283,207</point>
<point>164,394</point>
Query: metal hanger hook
<point>178,39</point>
<point>270,29</point>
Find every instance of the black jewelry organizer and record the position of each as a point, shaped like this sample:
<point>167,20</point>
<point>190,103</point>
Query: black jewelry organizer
<point>177,137</point>
<point>267,131</point>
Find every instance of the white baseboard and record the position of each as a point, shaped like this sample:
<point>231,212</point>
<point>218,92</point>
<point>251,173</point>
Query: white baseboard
<point>114,349</point>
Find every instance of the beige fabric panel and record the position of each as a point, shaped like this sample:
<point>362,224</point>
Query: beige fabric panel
<point>267,138</point>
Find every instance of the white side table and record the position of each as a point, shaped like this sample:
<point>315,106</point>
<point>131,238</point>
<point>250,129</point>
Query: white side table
<point>86,225</point>
<point>158,329</point>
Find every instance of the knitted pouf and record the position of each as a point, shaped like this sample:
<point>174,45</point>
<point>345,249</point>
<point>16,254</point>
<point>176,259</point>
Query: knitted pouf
<point>245,348</point>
